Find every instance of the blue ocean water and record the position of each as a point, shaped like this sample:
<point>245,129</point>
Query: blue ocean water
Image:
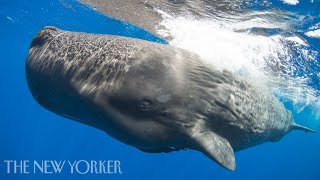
<point>28,132</point>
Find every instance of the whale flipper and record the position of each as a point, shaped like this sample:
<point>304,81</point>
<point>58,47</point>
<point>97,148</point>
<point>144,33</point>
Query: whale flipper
<point>216,148</point>
<point>303,128</point>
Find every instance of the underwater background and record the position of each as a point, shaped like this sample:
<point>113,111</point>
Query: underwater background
<point>29,132</point>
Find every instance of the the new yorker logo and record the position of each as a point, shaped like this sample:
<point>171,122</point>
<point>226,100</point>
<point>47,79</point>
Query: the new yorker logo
<point>61,166</point>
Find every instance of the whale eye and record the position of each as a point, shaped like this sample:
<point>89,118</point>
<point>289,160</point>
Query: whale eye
<point>165,113</point>
<point>144,105</point>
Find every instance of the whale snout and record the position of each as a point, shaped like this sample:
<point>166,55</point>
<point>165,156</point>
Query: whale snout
<point>45,35</point>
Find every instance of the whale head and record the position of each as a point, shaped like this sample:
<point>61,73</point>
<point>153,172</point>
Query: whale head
<point>134,97</point>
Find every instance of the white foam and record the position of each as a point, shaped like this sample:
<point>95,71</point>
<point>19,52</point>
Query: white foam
<point>296,40</point>
<point>291,2</point>
<point>313,34</point>
<point>221,45</point>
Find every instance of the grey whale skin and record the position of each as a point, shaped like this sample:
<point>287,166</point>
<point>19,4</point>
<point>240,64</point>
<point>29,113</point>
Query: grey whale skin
<point>154,97</point>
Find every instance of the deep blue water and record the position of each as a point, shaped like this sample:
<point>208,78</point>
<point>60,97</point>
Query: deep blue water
<point>28,132</point>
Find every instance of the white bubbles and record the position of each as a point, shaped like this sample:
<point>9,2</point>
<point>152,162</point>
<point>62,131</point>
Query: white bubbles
<point>291,2</point>
<point>313,34</point>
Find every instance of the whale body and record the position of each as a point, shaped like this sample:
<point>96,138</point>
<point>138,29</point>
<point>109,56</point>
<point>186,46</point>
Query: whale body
<point>155,97</point>
<point>149,14</point>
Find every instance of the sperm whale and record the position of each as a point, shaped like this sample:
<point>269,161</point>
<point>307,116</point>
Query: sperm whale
<point>155,97</point>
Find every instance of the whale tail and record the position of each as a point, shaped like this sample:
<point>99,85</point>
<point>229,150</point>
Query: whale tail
<point>303,128</point>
